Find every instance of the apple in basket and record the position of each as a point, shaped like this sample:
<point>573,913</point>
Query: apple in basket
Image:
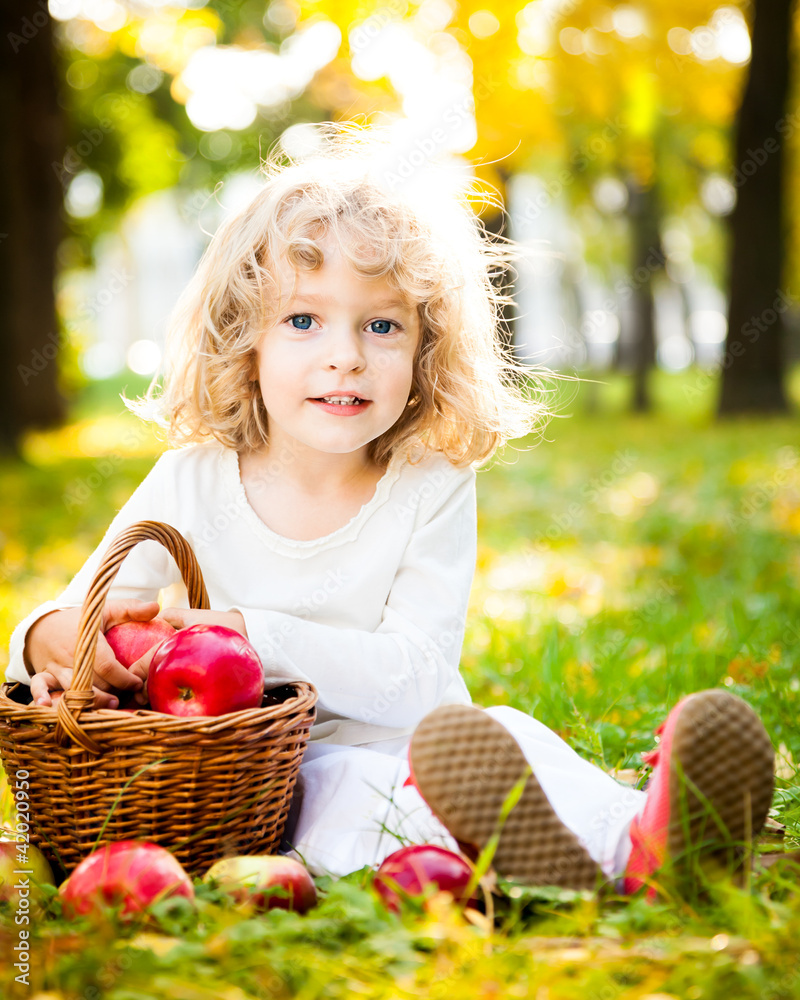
<point>205,670</point>
<point>21,874</point>
<point>412,869</point>
<point>130,873</point>
<point>129,641</point>
<point>255,877</point>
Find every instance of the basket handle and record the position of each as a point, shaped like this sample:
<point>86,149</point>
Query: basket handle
<point>80,695</point>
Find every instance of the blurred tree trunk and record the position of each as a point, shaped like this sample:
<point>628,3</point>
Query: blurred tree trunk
<point>752,378</point>
<point>497,223</point>
<point>647,260</point>
<point>31,139</point>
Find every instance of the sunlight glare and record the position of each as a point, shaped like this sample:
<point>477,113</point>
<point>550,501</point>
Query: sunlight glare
<point>227,84</point>
<point>143,357</point>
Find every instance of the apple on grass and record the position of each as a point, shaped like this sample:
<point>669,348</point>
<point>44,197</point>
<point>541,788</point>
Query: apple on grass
<point>205,670</point>
<point>412,869</point>
<point>255,877</point>
<point>133,873</point>
<point>18,863</point>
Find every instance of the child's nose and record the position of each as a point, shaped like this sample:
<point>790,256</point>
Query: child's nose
<point>344,349</point>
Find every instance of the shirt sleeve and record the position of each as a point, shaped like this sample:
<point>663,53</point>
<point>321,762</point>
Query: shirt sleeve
<point>397,674</point>
<point>145,570</point>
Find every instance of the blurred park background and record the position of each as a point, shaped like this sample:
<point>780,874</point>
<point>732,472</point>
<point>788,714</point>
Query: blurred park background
<point>645,152</point>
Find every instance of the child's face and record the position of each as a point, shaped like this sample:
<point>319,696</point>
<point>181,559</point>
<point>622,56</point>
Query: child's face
<point>340,334</point>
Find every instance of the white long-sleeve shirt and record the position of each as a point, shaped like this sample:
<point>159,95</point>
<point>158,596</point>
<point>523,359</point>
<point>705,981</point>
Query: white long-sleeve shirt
<point>372,614</point>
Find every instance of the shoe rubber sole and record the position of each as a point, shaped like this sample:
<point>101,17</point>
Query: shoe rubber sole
<point>465,764</point>
<point>720,750</point>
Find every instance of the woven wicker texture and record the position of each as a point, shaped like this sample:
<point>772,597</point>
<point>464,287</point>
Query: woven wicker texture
<point>205,787</point>
<point>465,764</point>
<point>720,750</point>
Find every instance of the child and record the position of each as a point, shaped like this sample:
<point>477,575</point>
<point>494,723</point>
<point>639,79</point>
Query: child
<point>334,377</point>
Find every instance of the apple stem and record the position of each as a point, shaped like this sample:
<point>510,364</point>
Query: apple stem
<point>186,694</point>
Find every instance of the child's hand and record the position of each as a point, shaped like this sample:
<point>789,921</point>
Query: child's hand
<point>141,668</point>
<point>50,649</point>
<point>184,617</point>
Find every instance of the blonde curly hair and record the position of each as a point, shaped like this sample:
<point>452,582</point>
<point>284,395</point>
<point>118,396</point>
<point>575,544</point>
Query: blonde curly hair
<point>469,394</point>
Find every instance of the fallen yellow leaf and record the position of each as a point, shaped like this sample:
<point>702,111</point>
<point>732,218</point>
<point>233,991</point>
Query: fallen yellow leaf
<point>159,944</point>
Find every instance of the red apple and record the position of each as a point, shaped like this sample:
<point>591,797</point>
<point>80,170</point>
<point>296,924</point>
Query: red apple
<point>131,640</point>
<point>133,873</point>
<point>414,868</point>
<point>21,874</point>
<point>205,670</point>
<point>249,876</point>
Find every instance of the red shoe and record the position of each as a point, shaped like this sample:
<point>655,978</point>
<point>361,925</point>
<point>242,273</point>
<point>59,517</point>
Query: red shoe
<point>711,786</point>
<point>464,763</point>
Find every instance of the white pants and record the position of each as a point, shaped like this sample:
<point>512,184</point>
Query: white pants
<point>352,808</point>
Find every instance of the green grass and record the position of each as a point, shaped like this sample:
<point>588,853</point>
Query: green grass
<point>622,563</point>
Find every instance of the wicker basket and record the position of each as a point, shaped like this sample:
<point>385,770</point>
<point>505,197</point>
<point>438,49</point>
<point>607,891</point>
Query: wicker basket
<point>205,787</point>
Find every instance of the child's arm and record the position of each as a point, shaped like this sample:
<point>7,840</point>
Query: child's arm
<point>410,663</point>
<point>147,568</point>
<point>50,651</point>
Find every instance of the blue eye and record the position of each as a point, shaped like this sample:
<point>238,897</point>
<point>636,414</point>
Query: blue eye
<point>387,324</point>
<point>306,320</point>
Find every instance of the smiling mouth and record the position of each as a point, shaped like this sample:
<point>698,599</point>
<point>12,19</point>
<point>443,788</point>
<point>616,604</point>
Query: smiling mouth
<point>339,401</point>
